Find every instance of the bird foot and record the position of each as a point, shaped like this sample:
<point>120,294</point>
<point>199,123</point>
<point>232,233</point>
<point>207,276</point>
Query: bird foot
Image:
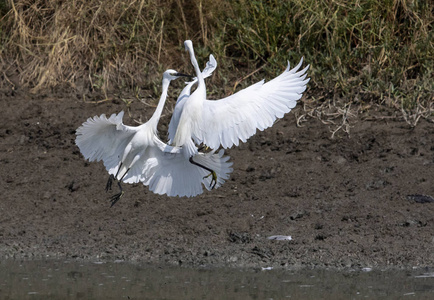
<point>203,148</point>
<point>213,180</point>
<point>116,198</point>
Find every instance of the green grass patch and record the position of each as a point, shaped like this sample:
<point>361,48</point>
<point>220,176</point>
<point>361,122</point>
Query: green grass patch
<point>361,52</point>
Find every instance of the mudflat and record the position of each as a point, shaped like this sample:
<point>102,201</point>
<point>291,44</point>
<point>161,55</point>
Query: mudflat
<point>354,201</point>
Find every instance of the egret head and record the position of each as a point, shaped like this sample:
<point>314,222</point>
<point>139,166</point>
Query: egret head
<point>188,45</point>
<point>172,75</point>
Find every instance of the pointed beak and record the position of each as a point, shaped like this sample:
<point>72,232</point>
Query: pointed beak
<point>184,75</point>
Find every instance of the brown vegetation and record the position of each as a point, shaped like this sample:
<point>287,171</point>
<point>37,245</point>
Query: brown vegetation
<point>361,54</point>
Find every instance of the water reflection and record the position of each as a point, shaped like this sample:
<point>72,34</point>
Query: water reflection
<point>77,280</point>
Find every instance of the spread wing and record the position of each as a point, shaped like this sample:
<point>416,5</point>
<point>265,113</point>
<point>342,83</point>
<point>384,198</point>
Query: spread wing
<point>102,138</point>
<point>234,118</point>
<point>162,167</point>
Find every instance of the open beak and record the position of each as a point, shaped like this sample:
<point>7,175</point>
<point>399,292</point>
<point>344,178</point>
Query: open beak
<point>184,75</point>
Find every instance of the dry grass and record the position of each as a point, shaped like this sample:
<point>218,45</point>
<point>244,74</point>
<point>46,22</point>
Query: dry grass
<point>361,52</point>
<point>77,42</point>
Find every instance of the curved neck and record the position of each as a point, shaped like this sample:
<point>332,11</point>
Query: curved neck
<point>153,121</point>
<point>201,81</point>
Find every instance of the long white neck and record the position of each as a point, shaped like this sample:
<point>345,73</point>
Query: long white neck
<point>153,122</point>
<point>201,81</point>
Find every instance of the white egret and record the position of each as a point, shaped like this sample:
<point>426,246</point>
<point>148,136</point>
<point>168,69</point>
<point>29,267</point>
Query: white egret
<point>136,154</point>
<point>211,65</point>
<point>237,117</point>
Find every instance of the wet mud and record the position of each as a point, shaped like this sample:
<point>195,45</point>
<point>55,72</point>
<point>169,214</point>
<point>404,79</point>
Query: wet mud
<point>363,200</point>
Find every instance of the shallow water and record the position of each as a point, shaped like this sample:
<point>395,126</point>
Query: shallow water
<point>78,280</point>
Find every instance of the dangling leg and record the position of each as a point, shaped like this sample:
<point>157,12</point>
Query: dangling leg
<point>212,173</point>
<point>108,186</point>
<point>115,198</point>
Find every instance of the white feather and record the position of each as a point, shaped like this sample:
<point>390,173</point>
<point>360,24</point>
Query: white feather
<point>136,154</point>
<point>211,65</point>
<point>160,166</point>
<point>227,121</point>
<point>238,116</point>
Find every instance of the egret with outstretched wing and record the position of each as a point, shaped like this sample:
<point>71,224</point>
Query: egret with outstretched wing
<point>136,154</point>
<point>235,118</point>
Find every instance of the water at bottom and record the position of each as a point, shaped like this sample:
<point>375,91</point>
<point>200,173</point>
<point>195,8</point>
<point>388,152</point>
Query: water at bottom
<point>78,280</point>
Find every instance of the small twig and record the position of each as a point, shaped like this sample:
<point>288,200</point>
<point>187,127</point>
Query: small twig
<point>247,76</point>
<point>96,102</point>
<point>10,82</point>
<point>147,104</point>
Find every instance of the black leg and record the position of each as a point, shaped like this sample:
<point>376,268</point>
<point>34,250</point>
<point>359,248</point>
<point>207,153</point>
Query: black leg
<point>212,173</point>
<point>117,172</point>
<point>115,198</point>
<point>108,186</point>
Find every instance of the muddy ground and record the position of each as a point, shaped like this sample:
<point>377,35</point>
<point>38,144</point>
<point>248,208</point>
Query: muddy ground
<point>344,201</point>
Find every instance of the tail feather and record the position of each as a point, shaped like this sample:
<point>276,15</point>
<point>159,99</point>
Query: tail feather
<point>176,176</point>
<point>218,163</point>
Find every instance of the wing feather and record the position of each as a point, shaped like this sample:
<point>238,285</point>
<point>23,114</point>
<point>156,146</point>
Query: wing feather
<point>102,138</point>
<point>162,167</point>
<point>171,174</point>
<point>237,117</point>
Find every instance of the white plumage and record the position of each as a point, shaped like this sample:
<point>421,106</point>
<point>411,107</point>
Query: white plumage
<point>136,154</point>
<point>226,121</point>
<point>211,65</point>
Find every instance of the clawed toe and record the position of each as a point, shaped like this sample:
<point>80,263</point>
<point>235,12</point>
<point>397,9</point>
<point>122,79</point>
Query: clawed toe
<point>213,180</point>
<point>116,198</point>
